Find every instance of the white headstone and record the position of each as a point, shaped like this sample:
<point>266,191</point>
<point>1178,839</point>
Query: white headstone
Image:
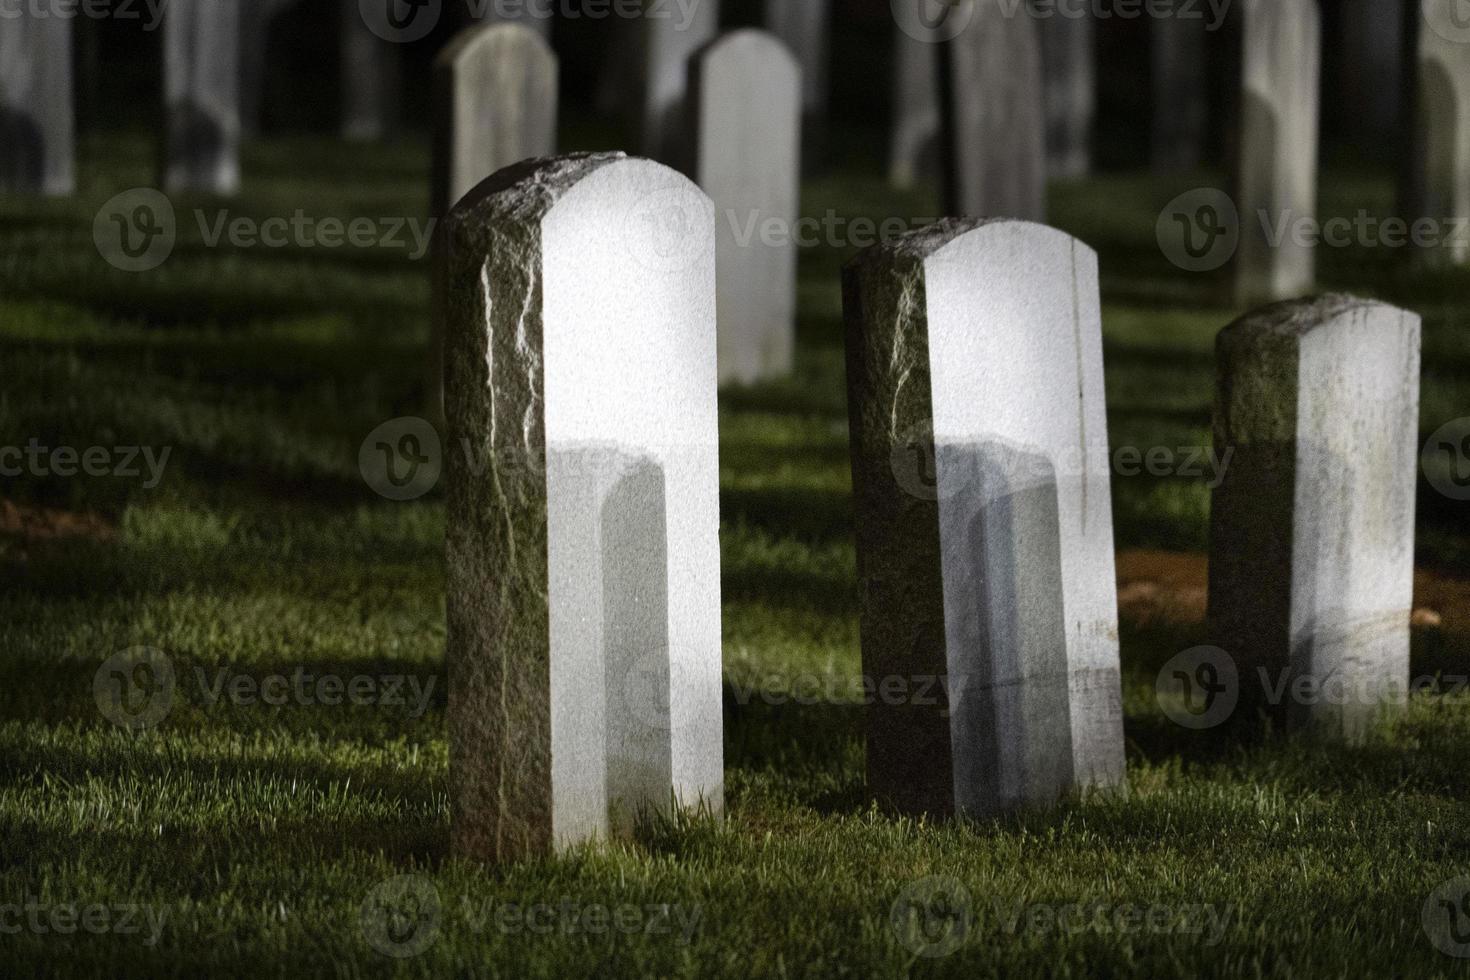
<point>984,522</point>
<point>1438,187</point>
<point>1312,527</point>
<point>495,99</point>
<point>36,112</point>
<point>256,20</point>
<point>996,164</point>
<point>671,35</point>
<point>583,511</point>
<point>748,148</point>
<point>370,70</point>
<point>1067,38</point>
<point>1277,180</point>
<point>914,146</point>
<point>201,81</point>
<point>804,27</point>
<point>1179,91</point>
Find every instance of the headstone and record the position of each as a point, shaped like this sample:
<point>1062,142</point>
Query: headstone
<point>1312,527</point>
<point>914,148</point>
<point>36,113</point>
<point>495,99</point>
<point>996,138</point>
<point>495,95</point>
<point>201,80</point>
<point>1069,62</point>
<point>671,35</point>
<point>1438,186</point>
<point>370,69</point>
<point>1369,48</point>
<point>1177,54</point>
<point>583,512</point>
<point>256,19</point>
<point>748,146</point>
<point>804,26</point>
<point>1277,180</point>
<point>984,522</point>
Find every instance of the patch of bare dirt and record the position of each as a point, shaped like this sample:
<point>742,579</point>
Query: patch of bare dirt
<point>1172,587</point>
<point>35,524</point>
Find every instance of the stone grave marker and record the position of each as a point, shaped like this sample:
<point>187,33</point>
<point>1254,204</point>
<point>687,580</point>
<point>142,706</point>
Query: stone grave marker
<point>1276,186</point>
<point>671,34</point>
<point>370,65</point>
<point>984,522</point>
<point>495,101</point>
<point>201,79</point>
<point>1312,527</point>
<point>1437,186</point>
<point>804,26</point>
<point>1180,95</point>
<point>37,118</point>
<point>583,507</point>
<point>1071,90</point>
<point>995,133</point>
<point>746,91</point>
<point>914,146</point>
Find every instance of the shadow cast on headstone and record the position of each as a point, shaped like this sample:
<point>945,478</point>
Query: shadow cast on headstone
<point>1006,634</point>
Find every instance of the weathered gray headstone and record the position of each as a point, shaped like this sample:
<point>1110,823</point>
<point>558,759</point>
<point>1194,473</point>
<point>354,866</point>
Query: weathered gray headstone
<point>804,27</point>
<point>1369,61</point>
<point>748,146</point>
<point>583,510</point>
<point>37,154</point>
<point>201,82</point>
<point>370,72</point>
<point>256,19</point>
<point>996,154</point>
<point>1438,188</point>
<point>984,522</point>
<point>913,151</point>
<point>1180,98</point>
<point>1277,180</point>
<point>671,35</point>
<point>1071,89</point>
<point>1312,528</point>
<point>495,98</point>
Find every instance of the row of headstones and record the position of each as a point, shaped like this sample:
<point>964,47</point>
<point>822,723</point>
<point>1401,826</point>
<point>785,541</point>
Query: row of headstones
<point>992,143</point>
<point>584,642</point>
<point>496,99</point>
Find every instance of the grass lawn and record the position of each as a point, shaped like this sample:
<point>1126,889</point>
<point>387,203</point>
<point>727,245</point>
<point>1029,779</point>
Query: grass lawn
<point>247,838</point>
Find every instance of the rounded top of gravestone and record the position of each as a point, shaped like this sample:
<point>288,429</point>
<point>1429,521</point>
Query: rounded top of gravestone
<point>747,40</point>
<point>1290,320</point>
<point>916,246</point>
<point>655,229</point>
<point>470,41</point>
